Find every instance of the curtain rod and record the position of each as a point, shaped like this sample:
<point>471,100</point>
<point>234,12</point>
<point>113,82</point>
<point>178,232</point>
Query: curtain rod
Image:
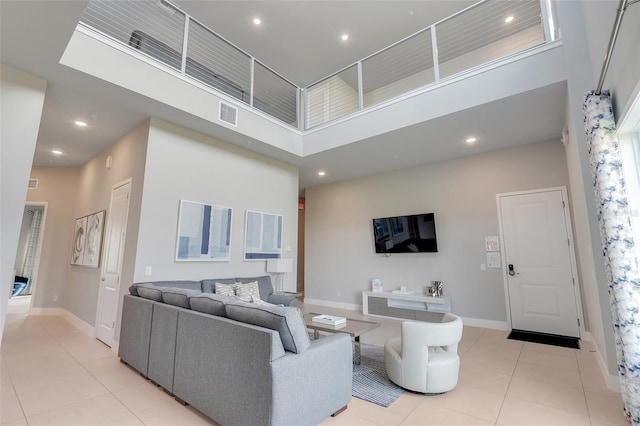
<point>612,42</point>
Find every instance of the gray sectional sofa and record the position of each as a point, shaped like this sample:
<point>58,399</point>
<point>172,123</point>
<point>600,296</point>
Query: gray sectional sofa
<point>239,363</point>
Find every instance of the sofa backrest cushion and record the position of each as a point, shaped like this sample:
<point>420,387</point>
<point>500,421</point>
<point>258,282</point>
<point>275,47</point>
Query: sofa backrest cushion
<point>264,283</point>
<point>149,291</point>
<point>189,285</point>
<point>208,286</point>
<point>210,303</point>
<point>178,296</point>
<point>285,320</point>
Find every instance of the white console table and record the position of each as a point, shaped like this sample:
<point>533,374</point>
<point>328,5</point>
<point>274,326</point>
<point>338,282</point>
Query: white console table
<point>413,306</point>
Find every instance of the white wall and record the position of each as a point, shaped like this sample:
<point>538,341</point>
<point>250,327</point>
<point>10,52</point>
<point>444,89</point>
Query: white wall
<point>21,101</point>
<point>582,77</point>
<point>77,192</point>
<point>624,70</point>
<point>185,165</point>
<point>340,255</point>
<point>58,186</point>
<point>94,193</point>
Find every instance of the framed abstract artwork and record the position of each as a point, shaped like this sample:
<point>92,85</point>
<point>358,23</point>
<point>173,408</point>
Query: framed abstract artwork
<point>93,245</point>
<point>78,242</point>
<point>87,240</point>
<point>262,236</point>
<point>204,232</point>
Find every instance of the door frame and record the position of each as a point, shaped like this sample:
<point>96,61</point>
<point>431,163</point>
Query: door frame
<point>113,343</point>
<point>36,266</point>
<point>572,252</point>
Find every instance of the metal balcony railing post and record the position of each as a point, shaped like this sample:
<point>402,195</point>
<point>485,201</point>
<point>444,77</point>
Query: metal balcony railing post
<point>360,87</point>
<point>252,73</point>
<point>185,44</point>
<point>434,52</point>
<point>545,17</point>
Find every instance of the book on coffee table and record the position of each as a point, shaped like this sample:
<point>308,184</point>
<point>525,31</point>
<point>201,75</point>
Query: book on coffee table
<point>329,319</point>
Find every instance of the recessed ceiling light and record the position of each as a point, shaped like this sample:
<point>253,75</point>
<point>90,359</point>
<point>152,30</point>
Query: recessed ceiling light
<point>56,152</point>
<point>321,173</point>
<point>509,19</point>
<point>257,21</point>
<point>470,140</point>
<point>344,37</point>
<point>80,123</point>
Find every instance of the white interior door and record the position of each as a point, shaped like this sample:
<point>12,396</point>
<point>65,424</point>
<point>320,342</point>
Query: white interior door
<point>112,263</point>
<point>538,262</point>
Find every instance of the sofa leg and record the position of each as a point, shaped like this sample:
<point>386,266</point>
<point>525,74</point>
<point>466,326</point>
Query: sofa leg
<point>339,411</point>
<point>180,401</point>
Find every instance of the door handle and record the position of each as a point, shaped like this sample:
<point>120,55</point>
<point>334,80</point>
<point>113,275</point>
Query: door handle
<point>512,272</point>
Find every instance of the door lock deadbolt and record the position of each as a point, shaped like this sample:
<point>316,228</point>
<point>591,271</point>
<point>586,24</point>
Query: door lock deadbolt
<point>511,271</point>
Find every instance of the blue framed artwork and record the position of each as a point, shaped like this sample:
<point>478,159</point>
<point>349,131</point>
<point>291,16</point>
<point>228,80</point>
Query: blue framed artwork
<point>204,232</point>
<point>262,236</point>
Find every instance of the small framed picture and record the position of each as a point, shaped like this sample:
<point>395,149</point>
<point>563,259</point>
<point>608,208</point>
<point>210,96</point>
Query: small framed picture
<point>376,285</point>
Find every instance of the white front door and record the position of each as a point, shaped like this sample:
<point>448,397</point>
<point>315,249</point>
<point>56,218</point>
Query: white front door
<point>538,262</point>
<point>112,262</point>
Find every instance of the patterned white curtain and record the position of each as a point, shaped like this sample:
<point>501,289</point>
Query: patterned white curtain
<point>621,262</point>
<point>32,248</point>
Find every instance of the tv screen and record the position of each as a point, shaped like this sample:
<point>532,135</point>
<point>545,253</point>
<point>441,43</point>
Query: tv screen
<point>405,234</point>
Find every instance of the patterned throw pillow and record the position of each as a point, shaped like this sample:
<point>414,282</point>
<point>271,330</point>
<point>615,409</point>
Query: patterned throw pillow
<point>248,292</point>
<point>225,289</point>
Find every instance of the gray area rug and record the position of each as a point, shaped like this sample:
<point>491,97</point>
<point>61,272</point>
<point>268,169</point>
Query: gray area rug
<point>370,380</point>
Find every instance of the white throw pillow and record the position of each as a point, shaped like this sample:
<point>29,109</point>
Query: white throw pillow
<point>225,289</point>
<point>248,291</point>
<point>258,301</point>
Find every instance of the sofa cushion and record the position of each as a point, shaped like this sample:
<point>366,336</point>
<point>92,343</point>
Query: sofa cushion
<point>225,289</point>
<point>247,292</point>
<point>287,321</point>
<point>209,285</point>
<point>149,291</point>
<point>191,285</point>
<point>178,296</point>
<point>210,303</point>
<point>261,302</point>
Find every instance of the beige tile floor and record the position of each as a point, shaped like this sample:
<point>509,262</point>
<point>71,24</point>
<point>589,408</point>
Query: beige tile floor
<point>53,374</point>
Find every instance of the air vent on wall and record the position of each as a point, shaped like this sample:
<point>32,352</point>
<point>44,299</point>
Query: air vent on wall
<point>33,184</point>
<point>228,114</point>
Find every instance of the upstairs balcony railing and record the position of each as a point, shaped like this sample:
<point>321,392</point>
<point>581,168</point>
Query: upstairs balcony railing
<point>484,33</point>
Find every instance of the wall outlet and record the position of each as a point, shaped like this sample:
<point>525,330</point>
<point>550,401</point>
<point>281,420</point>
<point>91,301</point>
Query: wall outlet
<point>483,267</point>
<point>55,298</point>
<point>147,270</point>
<point>339,293</point>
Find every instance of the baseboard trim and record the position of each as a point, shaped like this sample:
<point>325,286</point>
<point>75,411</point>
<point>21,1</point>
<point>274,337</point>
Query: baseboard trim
<point>61,312</point>
<point>46,311</point>
<point>87,329</point>
<point>331,304</point>
<point>612,380</point>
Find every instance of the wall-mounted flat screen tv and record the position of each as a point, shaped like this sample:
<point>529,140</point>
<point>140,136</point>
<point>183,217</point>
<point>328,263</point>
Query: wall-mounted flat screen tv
<point>405,234</point>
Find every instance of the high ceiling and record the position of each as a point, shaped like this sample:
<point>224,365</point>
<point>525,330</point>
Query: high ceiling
<point>300,40</point>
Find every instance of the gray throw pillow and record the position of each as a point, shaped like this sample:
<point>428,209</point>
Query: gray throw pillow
<point>178,296</point>
<point>210,303</point>
<point>287,321</point>
<point>149,291</point>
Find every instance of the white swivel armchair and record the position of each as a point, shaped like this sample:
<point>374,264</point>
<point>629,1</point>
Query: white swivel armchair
<point>425,358</point>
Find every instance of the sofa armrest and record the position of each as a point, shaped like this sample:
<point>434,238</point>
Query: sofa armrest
<point>322,374</point>
<point>283,299</point>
